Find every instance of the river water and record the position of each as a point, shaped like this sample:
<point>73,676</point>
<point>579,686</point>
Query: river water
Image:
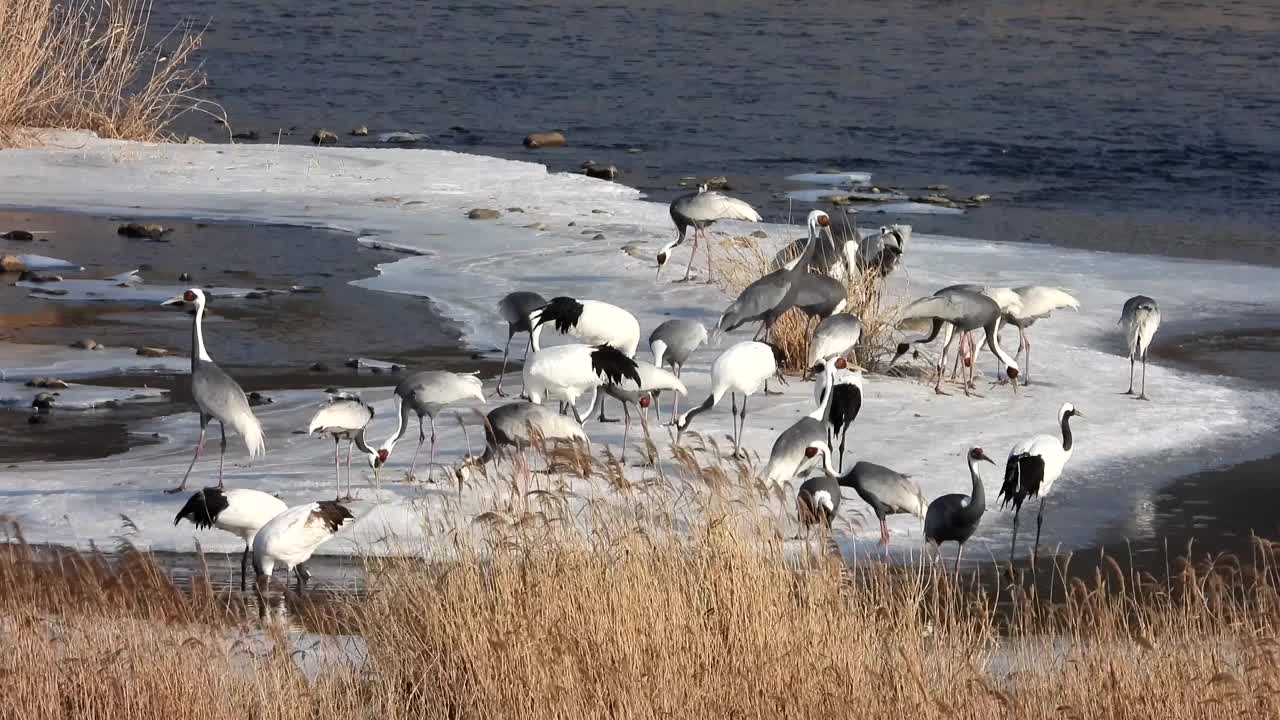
<point>1149,127</point>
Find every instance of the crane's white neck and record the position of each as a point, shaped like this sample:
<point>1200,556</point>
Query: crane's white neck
<point>999,351</point>
<point>827,467</point>
<point>659,348</point>
<point>828,386</point>
<point>793,262</point>
<point>197,339</point>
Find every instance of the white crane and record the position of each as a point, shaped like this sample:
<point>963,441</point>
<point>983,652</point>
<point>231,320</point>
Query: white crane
<point>344,417</point>
<point>1034,465</point>
<point>425,394</point>
<point>593,322</point>
<point>240,512</point>
<point>566,372</point>
<point>290,539</point>
<point>217,396</point>
<point>1141,320</point>
<point>699,210</point>
<point>742,369</point>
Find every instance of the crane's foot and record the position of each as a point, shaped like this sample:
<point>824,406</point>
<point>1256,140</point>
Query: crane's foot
<point>175,490</point>
<point>940,391</point>
<point>1127,392</point>
<point>604,419</point>
<point>500,393</point>
<point>968,393</point>
<point>1143,397</point>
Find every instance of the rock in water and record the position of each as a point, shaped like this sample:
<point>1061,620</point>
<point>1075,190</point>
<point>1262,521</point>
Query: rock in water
<point>484,214</point>
<point>359,131</point>
<point>86,344</point>
<point>153,352</point>
<point>324,137</point>
<point>18,235</point>
<point>246,135</point>
<point>545,140</point>
<point>139,230</point>
<point>600,172</point>
<point>401,137</point>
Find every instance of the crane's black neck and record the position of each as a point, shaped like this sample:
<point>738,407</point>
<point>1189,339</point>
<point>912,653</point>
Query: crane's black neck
<point>1066,431</point>
<point>706,405</point>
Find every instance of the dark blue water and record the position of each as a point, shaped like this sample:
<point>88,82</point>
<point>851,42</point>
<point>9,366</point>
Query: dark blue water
<point>1151,127</point>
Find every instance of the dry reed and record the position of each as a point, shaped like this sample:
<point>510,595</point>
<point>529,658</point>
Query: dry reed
<point>558,605</point>
<point>91,65</point>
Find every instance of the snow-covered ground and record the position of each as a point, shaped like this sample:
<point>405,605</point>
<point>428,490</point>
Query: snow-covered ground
<point>418,199</point>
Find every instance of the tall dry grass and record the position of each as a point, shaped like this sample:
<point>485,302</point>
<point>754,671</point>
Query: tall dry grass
<point>92,65</point>
<point>741,261</point>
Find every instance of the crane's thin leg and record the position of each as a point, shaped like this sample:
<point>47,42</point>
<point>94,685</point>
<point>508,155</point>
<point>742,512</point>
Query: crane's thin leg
<point>1013,544</point>
<point>350,443</point>
<point>422,437</point>
<point>675,403</point>
<point>708,243</point>
<point>260,583</point>
<point>1143,395</point>
<point>742,426</point>
<point>844,434</point>
<point>1130,390</point>
<point>337,474</point>
<point>222,451</point>
<point>1026,373</point>
<point>602,418</point>
<point>733,418</point>
<point>199,445</point>
<point>505,351</point>
<point>1039,522</point>
<point>431,464</point>
<point>626,428</point>
<point>244,563</point>
<point>693,254</point>
<point>884,535</point>
<point>304,577</point>
<point>959,553</point>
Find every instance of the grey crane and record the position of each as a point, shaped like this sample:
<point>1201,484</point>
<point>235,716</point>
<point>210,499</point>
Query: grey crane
<point>955,517</point>
<point>217,396</point>
<point>961,311</point>
<point>819,296</point>
<point>515,425</point>
<point>700,210</point>
<point>425,394</point>
<point>787,457</point>
<point>1022,307</point>
<point>344,417</point>
<point>1141,320</point>
<point>835,335</point>
<point>888,492</point>
<point>672,343</point>
<point>515,309</point>
<point>628,391</point>
<point>770,296</point>
<point>817,501</point>
<point>830,256</point>
<point>883,252</point>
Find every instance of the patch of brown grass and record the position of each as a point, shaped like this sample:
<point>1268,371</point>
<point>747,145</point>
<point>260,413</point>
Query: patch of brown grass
<point>570,607</point>
<point>742,261</point>
<point>89,65</point>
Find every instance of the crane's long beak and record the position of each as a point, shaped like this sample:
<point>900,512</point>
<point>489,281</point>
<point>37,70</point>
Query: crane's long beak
<point>179,300</point>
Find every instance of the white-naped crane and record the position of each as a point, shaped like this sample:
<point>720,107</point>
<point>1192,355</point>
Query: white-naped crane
<point>844,389</point>
<point>653,380</point>
<point>1034,465</point>
<point>700,210</point>
<point>787,457</point>
<point>743,369</point>
<point>217,396</point>
<point>291,538</point>
<point>1141,320</point>
<point>515,425</point>
<point>955,517</point>
<point>672,343</point>
<point>817,501</point>
<point>882,253</point>
<point>425,394</point>
<point>960,311</point>
<point>345,417</point>
<point>592,321</point>
<point>835,335</point>
<point>769,297</point>
<point>239,511</point>
<point>1022,307</point>
<point>888,492</point>
<point>515,308</point>
<point>567,372</point>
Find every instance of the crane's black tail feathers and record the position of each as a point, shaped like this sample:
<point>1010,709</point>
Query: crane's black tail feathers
<point>203,508</point>
<point>563,311</point>
<point>613,365</point>
<point>333,514</point>
<point>1022,477</point>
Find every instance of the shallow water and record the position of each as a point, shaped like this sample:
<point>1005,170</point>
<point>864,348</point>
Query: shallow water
<point>1145,127</point>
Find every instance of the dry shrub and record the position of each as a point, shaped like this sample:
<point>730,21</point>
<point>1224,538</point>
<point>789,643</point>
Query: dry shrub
<point>89,65</point>
<point>741,261</point>
<point>622,609</point>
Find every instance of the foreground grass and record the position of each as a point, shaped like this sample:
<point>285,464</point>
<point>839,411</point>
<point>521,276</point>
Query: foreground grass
<point>90,65</point>
<point>716,622</point>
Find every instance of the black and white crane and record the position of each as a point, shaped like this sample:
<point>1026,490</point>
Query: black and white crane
<point>217,396</point>
<point>1034,465</point>
<point>291,538</point>
<point>743,369</point>
<point>239,511</point>
<point>845,390</point>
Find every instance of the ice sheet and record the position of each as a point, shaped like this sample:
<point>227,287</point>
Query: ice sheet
<point>823,178</point>
<point>114,290</point>
<point>814,196</point>
<point>912,208</point>
<point>1124,450</point>
<point>17,396</point>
